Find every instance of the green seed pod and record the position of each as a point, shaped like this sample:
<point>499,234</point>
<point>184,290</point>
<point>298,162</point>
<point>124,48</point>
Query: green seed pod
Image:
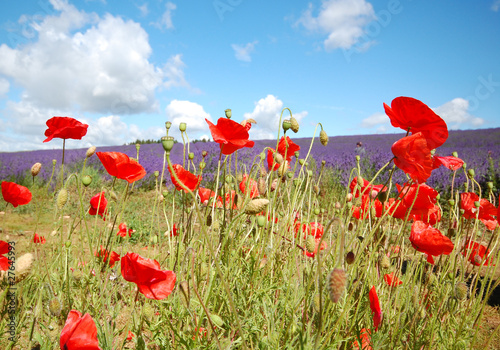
<point>191,155</point>
<point>67,244</point>
<point>54,162</point>
<point>477,204</point>
<point>455,154</point>
<point>289,175</point>
<point>167,143</point>
<point>471,172</point>
<point>358,158</point>
<point>309,173</point>
<point>490,185</point>
<point>62,198</point>
<point>217,320</point>
<point>451,202</point>
<point>156,173</point>
<point>86,180</point>
<point>261,221</point>
<point>182,127</point>
<point>168,125</point>
<point>316,211</point>
<point>286,124</point>
<point>202,165</point>
<point>301,161</point>
<point>228,113</point>
<point>296,154</point>
<point>262,156</point>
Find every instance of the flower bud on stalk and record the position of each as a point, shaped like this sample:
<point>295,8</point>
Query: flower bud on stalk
<point>286,125</point>
<point>256,206</point>
<point>168,143</point>
<point>323,138</point>
<point>294,124</point>
<point>337,281</point>
<point>62,198</point>
<point>182,127</point>
<point>86,180</point>
<point>228,113</point>
<point>35,169</point>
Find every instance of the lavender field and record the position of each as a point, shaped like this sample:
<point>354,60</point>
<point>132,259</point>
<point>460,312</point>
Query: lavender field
<point>480,149</point>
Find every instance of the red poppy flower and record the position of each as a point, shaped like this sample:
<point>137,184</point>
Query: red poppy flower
<point>477,254</point>
<point>415,116</point>
<point>4,261</point>
<point>362,212</point>
<point>429,240</point>
<point>375,307</point>
<point>452,163</point>
<point>421,200</point>
<point>484,212</point>
<point>430,216</point>
<point>79,333</point>
<point>98,205</point>
<point>396,208</point>
<point>230,200</point>
<point>271,163</point>
<point>186,178</point>
<point>123,231</point>
<point>65,128</point>
<point>364,187</point>
<point>153,282</point>
<point>174,232</point>
<point>199,332</point>
<point>392,280</point>
<point>104,255</point>
<point>38,239</point>
<point>130,336</point>
<point>252,190</point>
<point>120,165</point>
<point>205,196</point>
<point>365,340</point>
<point>287,148</point>
<point>230,135</point>
<point>324,245</point>
<point>15,194</point>
<point>413,156</point>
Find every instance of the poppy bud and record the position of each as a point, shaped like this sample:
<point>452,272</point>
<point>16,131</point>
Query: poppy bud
<point>296,182</point>
<point>263,262</point>
<point>294,124</point>
<point>477,204</point>
<point>323,138</point>
<point>348,197</point>
<point>382,196</point>
<point>451,202</point>
<point>204,154</point>
<point>286,124</point>
<point>310,244</point>
<point>228,113</point>
<point>262,156</point>
<point>358,158</point>
<point>350,258</point>
<point>296,154</point>
<point>256,206</point>
<point>35,169</point>
<point>455,154</point>
<point>283,169</point>
<point>490,185</point>
<point>471,172</point>
<point>316,211</point>
<point>90,152</point>
<point>202,165</point>
<point>23,266</point>
<point>384,261</point>
<point>62,198</point>
<point>217,320</point>
<point>261,186</point>
<point>182,127</point>
<point>167,142</point>
<point>337,281</point>
<point>338,205</point>
<point>316,302</point>
<point>301,161</point>
<point>54,162</point>
<point>191,155</point>
<point>278,158</point>
<point>137,147</point>
<point>184,287</point>
<point>309,173</point>
<point>55,307</point>
<point>156,173</point>
<point>316,189</point>
<point>261,221</point>
<point>461,290</point>
<point>464,166</point>
<point>168,125</point>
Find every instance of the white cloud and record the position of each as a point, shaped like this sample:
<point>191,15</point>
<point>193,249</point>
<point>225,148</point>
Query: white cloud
<point>455,114</point>
<point>4,86</point>
<point>374,120</point>
<point>496,5</point>
<point>165,21</point>
<point>104,68</point>
<point>144,9</point>
<point>267,113</point>
<point>242,53</point>
<point>342,20</point>
<point>190,113</point>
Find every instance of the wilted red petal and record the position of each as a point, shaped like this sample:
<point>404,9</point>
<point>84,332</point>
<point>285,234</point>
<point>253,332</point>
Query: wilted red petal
<point>429,240</point>
<point>288,147</point>
<point>38,239</point>
<point>452,163</point>
<point>153,282</point>
<point>79,333</point>
<point>120,165</point>
<point>375,307</point>
<point>15,194</point>
<point>413,156</point>
<point>392,280</point>
<point>485,212</point>
<point>271,163</point>
<point>4,261</point>
<point>65,128</point>
<point>230,135</point>
<point>186,178</point>
<point>473,249</point>
<point>365,340</point>
<point>415,116</point>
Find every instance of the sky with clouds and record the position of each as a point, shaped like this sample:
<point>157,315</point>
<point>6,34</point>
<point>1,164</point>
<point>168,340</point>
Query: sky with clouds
<point>126,67</point>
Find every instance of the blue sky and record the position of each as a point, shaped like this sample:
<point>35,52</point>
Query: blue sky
<point>126,67</point>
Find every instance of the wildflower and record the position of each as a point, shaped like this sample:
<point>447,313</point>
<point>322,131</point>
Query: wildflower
<point>252,190</point>
<point>174,232</point>
<point>205,196</point>
<point>392,280</point>
<point>65,128</point>
<point>230,135</point>
<point>38,239</point>
<point>452,163</point>
<point>79,333</point>
<point>359,186</point>
<point>287,148</point>
<point>98,205</point>
<point>413,156</point>
<point>130,336</point>
<point>4,261</point>
<point>120,165</point>
<point>365,340</point>
<point>429,240</point>
<point>415,116</point>
<point>484,212</point>
<point>200,332</point>
<point>421,200</point>
<point>105,254</point>
<point>375,307</point>
<point>187,181</point>
<point>153,282</point>
<point>477,254</point>
<point>122,230</point>
<point>15,194</point>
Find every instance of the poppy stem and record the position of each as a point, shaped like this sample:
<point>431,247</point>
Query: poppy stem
<point>62,163</point>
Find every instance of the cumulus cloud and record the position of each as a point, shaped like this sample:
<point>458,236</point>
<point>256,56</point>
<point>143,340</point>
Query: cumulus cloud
<point>242,53</point>
<point>190,113</point>
<point>455,113</point>
<point>4,86</point>
<point>374,120</point>
<point>104,68</point>
<point>267,115</point>
<point>165,21</point>
<point>343,21</point>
